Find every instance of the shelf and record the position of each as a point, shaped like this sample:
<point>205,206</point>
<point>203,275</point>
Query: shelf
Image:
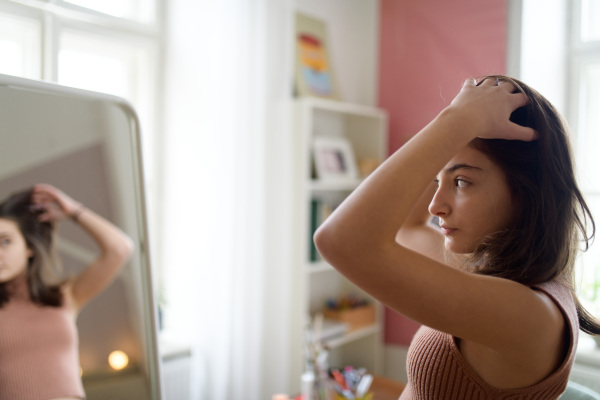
<point>365,129</point>
<point>343,108</point>
<point>353,336</point>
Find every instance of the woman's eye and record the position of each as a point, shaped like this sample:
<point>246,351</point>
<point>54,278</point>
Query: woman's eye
<point>461,183</point>
<point>4,242</point>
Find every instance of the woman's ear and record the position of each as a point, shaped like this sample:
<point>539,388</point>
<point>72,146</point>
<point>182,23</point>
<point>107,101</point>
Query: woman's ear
<point>30,253</point>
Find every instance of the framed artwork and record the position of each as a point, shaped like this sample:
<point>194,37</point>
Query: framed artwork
<point>314,76</point>
<point>334,159</point>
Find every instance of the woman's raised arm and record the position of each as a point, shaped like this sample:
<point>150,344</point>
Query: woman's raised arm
<point>359,238</point>
<point>115,246</point>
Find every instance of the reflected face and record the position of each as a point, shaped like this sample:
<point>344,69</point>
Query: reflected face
<point>14,252</point>
<point>472,201</point>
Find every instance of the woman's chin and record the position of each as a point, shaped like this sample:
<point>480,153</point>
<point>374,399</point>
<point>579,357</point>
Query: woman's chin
<point>457,248</point>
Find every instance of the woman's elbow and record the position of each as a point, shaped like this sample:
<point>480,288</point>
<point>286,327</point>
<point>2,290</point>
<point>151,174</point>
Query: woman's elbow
<point>123,251</point>
<point>326,241</point>
<point>320,238</point>
<point>128,248</point>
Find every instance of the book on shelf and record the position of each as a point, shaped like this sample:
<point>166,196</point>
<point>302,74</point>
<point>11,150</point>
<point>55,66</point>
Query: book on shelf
<point>319,211</point>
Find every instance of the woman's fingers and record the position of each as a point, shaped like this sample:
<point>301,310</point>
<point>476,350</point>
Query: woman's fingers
<point>489,81</point>
<point>470,82</point>
<point>488,105</point>
<point>519,99</point>
<point>519,132</point>
<point>52,203</point>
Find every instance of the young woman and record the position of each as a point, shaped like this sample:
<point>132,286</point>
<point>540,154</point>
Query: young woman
<point>38,335</point>
<point>493,284</point>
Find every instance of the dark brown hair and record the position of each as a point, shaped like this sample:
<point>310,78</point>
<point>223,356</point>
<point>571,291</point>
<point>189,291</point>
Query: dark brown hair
<point>39,237</point>
<point>551,216</point>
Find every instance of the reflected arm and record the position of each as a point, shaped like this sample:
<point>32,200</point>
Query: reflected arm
<point>115,246</point>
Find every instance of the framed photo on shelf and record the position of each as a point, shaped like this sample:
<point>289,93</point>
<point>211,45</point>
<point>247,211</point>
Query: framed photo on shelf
<point>314,76</point>
<point>334,159</point>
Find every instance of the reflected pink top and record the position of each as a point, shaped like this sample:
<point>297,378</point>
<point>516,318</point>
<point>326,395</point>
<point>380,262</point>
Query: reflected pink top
<point>437,369</point>
<point>39,356</point>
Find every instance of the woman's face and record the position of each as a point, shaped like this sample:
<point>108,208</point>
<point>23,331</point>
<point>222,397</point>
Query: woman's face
<point>472,200</point>
<point>14,252</point>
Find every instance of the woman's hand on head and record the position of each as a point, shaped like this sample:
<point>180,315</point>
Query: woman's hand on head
<point>53,203</point>
<point>486,107</point>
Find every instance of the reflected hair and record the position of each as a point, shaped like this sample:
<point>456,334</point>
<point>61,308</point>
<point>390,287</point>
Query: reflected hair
<point>551,221</point>
<point>39,238</point>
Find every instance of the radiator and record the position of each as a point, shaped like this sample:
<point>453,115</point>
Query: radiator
<point>587,376</point>
<point>175,371</point>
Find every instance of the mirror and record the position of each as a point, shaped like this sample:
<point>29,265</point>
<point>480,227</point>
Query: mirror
<point>88,145</point>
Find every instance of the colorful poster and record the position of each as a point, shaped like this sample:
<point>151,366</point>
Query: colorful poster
<point>314,76</point>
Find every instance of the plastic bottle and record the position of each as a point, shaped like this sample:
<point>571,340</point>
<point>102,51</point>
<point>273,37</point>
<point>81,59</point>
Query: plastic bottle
<point>307,385</point>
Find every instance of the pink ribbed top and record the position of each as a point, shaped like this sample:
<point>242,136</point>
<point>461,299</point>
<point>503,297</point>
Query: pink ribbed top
<point>39,356</point>
<point>438,371</point>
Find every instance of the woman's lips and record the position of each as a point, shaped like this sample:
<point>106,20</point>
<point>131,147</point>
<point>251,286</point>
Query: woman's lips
<point>447,230</point>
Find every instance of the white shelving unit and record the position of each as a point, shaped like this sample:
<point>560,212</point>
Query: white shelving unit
<point>366,128</point>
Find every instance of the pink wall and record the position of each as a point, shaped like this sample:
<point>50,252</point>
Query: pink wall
<point>427,49</point>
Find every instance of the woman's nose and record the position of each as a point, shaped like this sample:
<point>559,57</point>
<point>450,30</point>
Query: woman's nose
<point>439,205</point>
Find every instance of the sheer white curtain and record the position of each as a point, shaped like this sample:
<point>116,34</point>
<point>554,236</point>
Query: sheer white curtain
<point>225,195</point>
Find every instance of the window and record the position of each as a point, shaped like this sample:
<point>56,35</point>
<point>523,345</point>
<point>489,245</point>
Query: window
<point>110,46</point>
<point>589,27</point>
<point>585,121</point>
<point>20,46</point>
<point>135,10</point>
<point>109,64</point>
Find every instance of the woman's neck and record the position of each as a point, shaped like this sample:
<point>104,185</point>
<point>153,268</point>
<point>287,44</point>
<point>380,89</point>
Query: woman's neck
<point>18,287</point>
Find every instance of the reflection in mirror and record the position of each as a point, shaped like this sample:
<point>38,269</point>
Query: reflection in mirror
<point>87,145</point>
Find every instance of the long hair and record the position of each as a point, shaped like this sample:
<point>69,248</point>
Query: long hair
<point>39,238</point>
<point>551,216</point>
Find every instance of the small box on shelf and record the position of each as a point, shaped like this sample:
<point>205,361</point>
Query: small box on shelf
<point>356,318</point>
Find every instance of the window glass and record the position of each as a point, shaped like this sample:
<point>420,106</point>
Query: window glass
<point>20,46</point>
<point>137,10</point>
<point>109,65</point>
<point>590,15</point>
<point>588,137</point>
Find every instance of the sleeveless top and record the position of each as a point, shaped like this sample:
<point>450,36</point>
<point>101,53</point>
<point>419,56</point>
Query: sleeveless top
<point>438,371</point>
<point>39,356</point>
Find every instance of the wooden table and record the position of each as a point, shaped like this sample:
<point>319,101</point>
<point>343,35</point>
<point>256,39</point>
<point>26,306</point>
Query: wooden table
<point>386,389</point>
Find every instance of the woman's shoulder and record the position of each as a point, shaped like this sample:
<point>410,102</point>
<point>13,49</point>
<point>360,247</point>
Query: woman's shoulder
<point>562,296</point>
<point>543,352</point>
